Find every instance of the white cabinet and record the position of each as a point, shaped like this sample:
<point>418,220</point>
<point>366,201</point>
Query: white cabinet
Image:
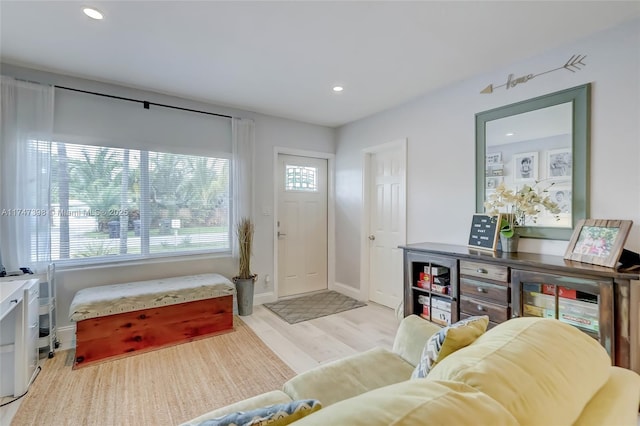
<point>31,330</point>
<point>11,317</point>
<point>19,328</point>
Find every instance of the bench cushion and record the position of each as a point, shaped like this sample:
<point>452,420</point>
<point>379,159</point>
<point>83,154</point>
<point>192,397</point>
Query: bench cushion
<point>118,298</point>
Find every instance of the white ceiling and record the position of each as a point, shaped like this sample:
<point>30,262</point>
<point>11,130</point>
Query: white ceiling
<point>283,58</point>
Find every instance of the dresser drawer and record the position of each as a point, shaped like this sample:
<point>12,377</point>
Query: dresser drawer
<point>496,313</point>
<point>498,293</point>
<point>484,270</point>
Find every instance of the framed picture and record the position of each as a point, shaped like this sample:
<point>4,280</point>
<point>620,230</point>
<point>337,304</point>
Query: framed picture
<point>493,182</point>
<point>494,158</point>
<point>496,169</point>
<point>562,197</point>
<point>525,167</point>
<point>598,241</point>
<point>559,163</point>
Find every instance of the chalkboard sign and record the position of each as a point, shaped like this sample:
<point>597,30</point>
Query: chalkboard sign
<point>484,232</point>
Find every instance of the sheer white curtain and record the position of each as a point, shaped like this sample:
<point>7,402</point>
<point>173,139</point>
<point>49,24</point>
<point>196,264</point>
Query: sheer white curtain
<point>243,135</point>
<point>26,122</point>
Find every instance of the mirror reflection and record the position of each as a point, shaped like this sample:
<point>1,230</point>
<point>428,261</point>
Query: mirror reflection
<point>535,149</point>
<point>541,142</point>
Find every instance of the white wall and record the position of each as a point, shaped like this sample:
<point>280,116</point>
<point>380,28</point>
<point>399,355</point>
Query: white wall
<point>281,133</point>
<point>440,129</point>
<point>270,132</point>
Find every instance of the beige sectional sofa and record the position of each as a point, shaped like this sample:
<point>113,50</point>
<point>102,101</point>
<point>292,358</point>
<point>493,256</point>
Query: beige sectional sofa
<point>526,371</point>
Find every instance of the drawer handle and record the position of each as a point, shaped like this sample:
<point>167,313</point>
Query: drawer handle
<point>480,308</point>
<point>482,290</point>
<point>481,271</point>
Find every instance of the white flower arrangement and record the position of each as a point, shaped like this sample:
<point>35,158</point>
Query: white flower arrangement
<point>519,206</point>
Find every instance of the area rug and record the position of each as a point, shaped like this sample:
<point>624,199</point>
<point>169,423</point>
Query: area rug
<point>164,387</point>
<point>305,308</point>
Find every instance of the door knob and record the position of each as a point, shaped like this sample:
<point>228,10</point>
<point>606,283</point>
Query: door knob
<point>372,237</point>
<point>280,234</point>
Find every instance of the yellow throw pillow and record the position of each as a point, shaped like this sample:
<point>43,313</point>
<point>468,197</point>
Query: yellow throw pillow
<point>447,341</point>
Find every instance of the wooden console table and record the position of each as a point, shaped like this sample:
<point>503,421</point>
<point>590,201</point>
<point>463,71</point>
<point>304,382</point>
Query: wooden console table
<point>602,302</point>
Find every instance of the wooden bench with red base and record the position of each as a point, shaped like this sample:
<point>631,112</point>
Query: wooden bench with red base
<point>117,320</point>
<point>119,335</point>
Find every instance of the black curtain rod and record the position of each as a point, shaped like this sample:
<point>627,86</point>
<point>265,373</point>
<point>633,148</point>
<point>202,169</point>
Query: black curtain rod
<point>146,104</point>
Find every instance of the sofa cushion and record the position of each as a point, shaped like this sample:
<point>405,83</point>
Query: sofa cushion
<point>448,340</point>
<point>273,415</point>
<point>262,400</point>
<point>616,403</point>
<point>411,336</point>
<point>542,370</point>
<point>414,402</point>
<point>350,376</point>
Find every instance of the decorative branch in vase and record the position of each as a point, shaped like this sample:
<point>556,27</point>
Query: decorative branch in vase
<point>245,280</point>
<point>519,206</point>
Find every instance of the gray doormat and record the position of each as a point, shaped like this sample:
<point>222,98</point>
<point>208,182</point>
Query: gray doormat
<point>312,306</point>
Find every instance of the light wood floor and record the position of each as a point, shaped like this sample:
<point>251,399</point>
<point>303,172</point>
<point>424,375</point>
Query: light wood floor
<point>307,344</point>
<point>310,343</point>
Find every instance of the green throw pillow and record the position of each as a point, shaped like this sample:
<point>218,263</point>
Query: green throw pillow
<point>272,415</point>
<point>447,341</point>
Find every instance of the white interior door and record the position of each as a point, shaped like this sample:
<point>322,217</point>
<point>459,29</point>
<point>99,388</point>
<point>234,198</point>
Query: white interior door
<point>302,224</point>
<point>387,224</point>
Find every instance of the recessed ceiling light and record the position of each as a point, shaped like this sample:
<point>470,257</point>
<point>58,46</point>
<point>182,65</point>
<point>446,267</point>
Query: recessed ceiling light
<point>338,88</point>
<point>92,13</point>
<point>509,134</point>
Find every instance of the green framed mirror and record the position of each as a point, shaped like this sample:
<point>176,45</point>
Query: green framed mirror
<point>544,143</point>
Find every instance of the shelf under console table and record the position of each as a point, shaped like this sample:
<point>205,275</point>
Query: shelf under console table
<point>602,302</point>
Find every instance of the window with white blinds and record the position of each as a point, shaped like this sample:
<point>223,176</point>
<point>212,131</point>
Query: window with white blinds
<point>108,203</point>
<point>109,180</point>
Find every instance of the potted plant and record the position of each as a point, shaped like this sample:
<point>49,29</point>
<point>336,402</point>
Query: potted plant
<point>245,280</point>
<point>516,207</point>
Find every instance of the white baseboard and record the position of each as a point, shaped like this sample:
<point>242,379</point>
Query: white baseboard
<point>262,298</point>
<point>347,290</point>
<point>66,337</point>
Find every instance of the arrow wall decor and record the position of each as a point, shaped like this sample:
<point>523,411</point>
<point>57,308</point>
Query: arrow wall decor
<point>573,64</point>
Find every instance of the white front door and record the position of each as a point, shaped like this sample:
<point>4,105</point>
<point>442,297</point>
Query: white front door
<point>302,224</point>
<point>387,223</point>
